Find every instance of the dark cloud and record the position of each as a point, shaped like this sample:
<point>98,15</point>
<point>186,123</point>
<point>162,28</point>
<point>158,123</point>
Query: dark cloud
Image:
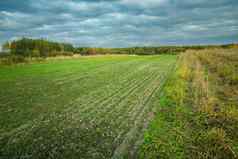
<point>121,23</point>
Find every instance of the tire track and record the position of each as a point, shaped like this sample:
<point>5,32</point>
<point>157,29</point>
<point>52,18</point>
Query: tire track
<point>130,140</point>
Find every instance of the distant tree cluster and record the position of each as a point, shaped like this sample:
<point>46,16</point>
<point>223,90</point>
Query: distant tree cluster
<point>147,50</point>
<point>138,50</point>
<point>134,50</point>
<point>37,48</point>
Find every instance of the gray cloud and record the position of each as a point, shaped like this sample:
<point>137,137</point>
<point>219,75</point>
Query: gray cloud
<point>121,23</point>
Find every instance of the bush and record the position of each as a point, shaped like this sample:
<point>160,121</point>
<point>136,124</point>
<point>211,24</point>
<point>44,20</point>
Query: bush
<point>55,53</point>
<point>67,53</point>
<point>13,59</point>
<point>4,55</point>
<point>35,53</point>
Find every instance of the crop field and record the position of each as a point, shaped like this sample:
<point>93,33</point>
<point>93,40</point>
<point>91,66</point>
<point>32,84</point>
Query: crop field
<point>90,107</point>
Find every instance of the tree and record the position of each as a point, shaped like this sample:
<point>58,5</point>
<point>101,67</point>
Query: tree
<point>37,47</point>
<point>91,51</point>
<point>6,46</point>
<point>35,53</point>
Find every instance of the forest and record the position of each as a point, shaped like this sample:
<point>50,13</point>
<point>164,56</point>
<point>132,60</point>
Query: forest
<point>28,47</point>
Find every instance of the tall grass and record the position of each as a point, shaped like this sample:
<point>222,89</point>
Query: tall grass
<point>198,113</point>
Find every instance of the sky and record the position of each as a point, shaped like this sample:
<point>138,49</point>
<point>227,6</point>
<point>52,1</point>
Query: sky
<point>121,23</point>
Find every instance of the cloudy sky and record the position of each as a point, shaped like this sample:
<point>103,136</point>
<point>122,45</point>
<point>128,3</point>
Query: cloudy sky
<point>121,23</point>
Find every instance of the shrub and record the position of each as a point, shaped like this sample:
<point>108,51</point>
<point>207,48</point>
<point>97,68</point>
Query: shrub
<point>35,53</point>
<point>13,59</point>
<point>67,53</point>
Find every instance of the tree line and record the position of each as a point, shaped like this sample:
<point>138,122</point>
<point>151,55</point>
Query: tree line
<point>37,48</point>
<point>147,50</point>
<point>27,47</point>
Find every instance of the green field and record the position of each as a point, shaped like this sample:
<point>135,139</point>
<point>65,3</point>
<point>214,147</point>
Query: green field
<point>90,107</point>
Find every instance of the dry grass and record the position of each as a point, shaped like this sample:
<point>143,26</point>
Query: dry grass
<point>214,79</point>
<point>199,115</point>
